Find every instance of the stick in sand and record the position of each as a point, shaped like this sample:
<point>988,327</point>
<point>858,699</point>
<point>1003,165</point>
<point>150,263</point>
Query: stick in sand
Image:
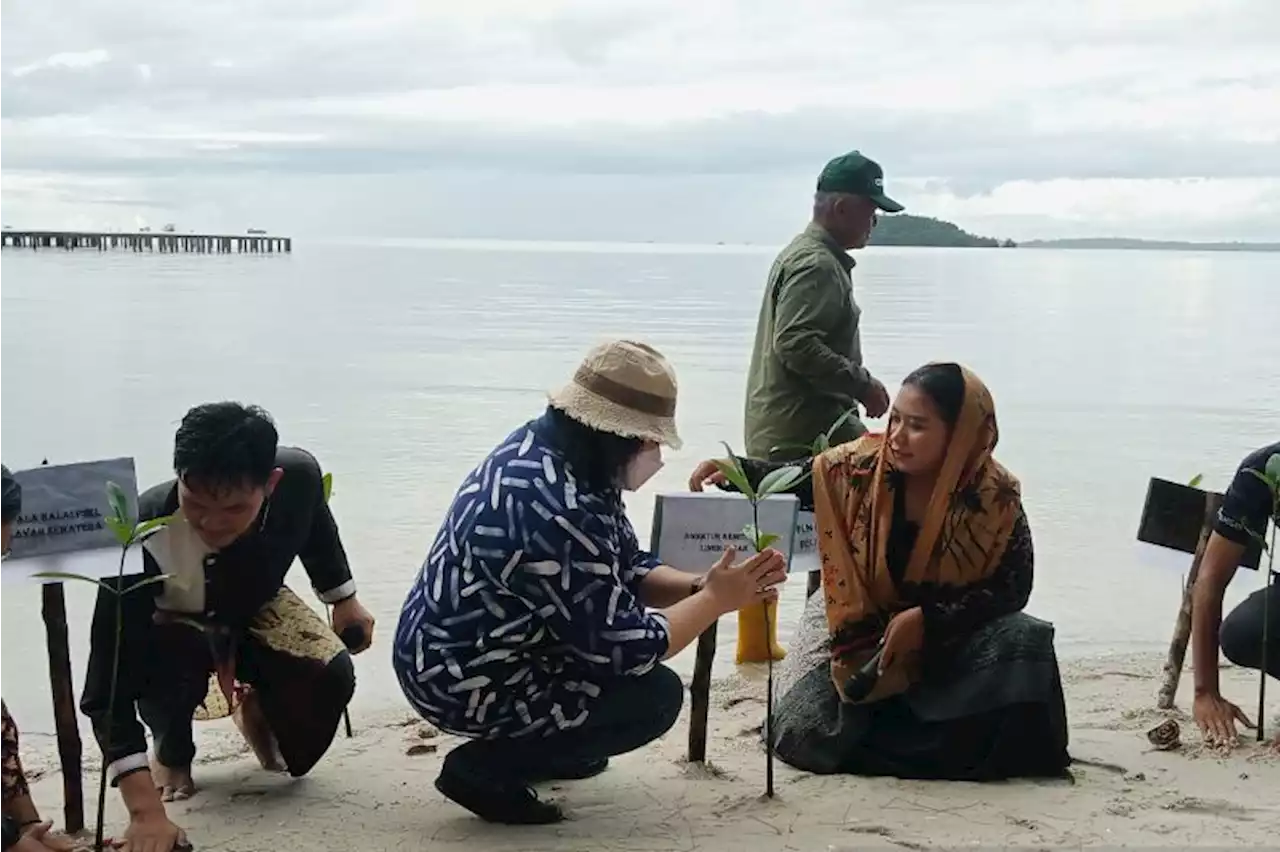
<point>352,637</point>
<point>768,711</point>
<point>1266,638</point>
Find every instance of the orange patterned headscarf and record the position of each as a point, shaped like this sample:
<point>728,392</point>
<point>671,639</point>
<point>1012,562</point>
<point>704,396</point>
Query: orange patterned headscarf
<point>961,539</point>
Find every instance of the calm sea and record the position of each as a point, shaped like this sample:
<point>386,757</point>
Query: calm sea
<point>400,365</point>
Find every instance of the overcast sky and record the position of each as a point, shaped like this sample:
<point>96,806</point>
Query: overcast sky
<point>640,119</point>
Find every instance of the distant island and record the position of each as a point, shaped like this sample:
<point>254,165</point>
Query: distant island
<point>1151,245</point>
<point>903,229</point>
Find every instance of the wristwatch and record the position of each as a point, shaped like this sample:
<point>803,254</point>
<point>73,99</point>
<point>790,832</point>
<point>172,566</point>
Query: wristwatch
<point>12,833</point>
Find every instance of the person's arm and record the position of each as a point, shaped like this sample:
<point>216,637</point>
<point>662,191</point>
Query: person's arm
<point>1246,505</point>
<point>322,554</point>
<point>688,619</point>
<point>574,580</point>
<point>807,311</point>
<point>120,735</point>
<point>1005,591</point>
<point>656,585</point>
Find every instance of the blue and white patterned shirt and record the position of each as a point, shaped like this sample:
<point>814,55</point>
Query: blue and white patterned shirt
<point>527,603</point>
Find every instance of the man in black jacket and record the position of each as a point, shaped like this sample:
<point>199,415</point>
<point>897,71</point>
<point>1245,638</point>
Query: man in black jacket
<point>241,510</point>
<point>1247,506</point>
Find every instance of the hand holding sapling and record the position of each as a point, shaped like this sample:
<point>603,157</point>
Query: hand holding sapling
<point>748,583</point>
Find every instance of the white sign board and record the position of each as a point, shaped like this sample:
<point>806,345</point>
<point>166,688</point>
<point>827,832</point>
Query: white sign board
<point>62,525</point>
<point>690,530</point>
<point>805,557</point>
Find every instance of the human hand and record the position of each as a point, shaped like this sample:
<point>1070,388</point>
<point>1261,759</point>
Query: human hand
<point>1217,718</point>
<point>351,613</point>
<point>706,473</point>
<point>876,399</point>
<point>904,636</point>
<point>752,581</point>
<point>153,831</point>
<point>38,837</point>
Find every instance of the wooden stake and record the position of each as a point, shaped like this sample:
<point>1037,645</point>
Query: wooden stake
<point>1182,627</point>
<point>1264,668</point>
<point>54,610</point>
<point>768,717</point>
<point>700,695</point>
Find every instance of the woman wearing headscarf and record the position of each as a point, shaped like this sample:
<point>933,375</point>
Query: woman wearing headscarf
<point>537,625</point>
<point>24,831</point>
<point>915,659</point>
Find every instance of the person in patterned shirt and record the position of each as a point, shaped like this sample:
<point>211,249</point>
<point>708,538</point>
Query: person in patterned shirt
<point>537,625</point>
<point>24,830</point>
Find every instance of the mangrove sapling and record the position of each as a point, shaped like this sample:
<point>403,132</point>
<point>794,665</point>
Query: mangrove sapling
<point>778,481</point>
<point>128,532</point>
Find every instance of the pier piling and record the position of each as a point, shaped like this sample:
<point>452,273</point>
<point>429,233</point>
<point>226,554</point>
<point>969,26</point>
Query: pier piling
<point>164,242</point>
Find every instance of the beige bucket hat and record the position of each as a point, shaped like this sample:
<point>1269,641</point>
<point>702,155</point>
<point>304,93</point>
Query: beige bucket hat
<point>624,388</point>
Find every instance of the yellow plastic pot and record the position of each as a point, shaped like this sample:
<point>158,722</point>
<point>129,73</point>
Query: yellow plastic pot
<point>758,634</point>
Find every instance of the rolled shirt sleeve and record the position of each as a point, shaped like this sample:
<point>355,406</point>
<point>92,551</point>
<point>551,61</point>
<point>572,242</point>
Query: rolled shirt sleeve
<point>1247,503</point>
<point>322,555</point>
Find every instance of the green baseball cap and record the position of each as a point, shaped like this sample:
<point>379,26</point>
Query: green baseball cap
<point>857,175</point>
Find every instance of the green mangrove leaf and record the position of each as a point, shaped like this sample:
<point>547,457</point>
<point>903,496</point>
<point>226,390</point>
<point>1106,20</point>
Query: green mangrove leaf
<point>835,427</point>
<point>781,480</point>
<point>766,540</point>
<point>326,484</point>
<point>733,471</point>
<point>1272,484</point>
<point>121,529</point>
<point>59,576</point>
<point>147,581</point>
<point>146,527</point>
<point>1273,467</point>
<point>1196,480</point>
<point>116,500</point>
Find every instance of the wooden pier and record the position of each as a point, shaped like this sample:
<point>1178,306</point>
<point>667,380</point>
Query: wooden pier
<point>149,241</point>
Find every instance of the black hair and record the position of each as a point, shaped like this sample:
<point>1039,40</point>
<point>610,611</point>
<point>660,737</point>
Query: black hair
<point>944,385</point>
<point>225,445</point>
<point>12,496</point>
<point>597,458</point>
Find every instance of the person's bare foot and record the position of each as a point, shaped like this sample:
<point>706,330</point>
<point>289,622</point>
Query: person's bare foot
<point>174,782</point>
<point>253,726</point>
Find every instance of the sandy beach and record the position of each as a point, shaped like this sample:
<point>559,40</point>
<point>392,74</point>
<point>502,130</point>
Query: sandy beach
<point>375,791</point>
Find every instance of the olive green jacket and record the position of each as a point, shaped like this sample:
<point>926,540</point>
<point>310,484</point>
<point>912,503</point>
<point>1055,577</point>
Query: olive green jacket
<point>806,368</point>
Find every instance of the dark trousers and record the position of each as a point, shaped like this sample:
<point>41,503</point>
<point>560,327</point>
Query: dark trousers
<point>302,699</point>
<point>630,712</point>
<point>1241,634</point>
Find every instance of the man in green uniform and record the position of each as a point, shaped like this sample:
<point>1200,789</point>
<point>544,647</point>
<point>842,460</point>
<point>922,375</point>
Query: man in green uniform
<point>806,367</point>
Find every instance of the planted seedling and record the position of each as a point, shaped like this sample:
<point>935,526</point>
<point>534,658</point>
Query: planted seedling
<point>128,532</point>
<point>779,481</point>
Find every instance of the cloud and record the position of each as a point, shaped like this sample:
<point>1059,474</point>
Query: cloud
<point>72,61</point>
<point>979,106</point>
